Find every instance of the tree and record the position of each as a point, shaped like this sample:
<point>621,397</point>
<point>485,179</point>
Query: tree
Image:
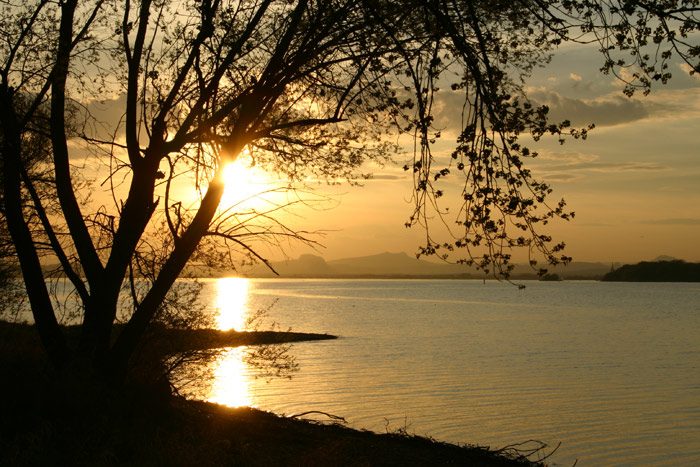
<point>297,87</point>
<point>35,153</point>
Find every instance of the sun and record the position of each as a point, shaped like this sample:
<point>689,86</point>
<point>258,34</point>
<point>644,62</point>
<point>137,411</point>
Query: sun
<point>243,184</point>
<point>236,177</point>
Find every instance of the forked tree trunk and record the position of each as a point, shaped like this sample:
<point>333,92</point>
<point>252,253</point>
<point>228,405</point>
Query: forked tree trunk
<point>117,364</point>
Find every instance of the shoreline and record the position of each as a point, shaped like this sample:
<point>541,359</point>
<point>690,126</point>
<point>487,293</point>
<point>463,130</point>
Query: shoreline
<point>279,440</point>
<point>204,339</point>
<point>181,339</point>
<point>48,421</point>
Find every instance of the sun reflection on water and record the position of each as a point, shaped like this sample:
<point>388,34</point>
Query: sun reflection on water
<point>232,386</point>
<point>231,300</point>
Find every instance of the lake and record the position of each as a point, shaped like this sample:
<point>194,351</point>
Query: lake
<point>610,370</point>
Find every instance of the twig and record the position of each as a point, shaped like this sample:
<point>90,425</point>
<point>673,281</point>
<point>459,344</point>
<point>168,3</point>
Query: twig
<point>519,450</point>
<point>335,418</point>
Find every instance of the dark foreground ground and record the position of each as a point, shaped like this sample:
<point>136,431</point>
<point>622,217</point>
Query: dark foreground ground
<point>45,422</point>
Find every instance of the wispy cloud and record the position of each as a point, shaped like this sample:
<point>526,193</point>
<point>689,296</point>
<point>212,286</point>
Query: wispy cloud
<point>686,221</point>
<point>381,176</point>
<point>685,68</point>
<point>671,189</point>
<point>578,161</point>
<point>566,156</point>
<point>568,166</point>
<point>561,177</point>
<point>598,166</point>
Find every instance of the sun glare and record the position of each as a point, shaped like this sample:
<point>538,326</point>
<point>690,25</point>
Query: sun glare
<point>231,300</point>
<point>243,184</point>
<point>232,384</point>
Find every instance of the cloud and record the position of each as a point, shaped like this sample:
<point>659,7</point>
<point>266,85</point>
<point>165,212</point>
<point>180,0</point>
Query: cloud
<point>566,156</point>
<point>599,166</point>
<point>684,67</point>
<point>688,73</point>
<point>555,166</point>
<point>568,166</point>
<point>107,113</point>
<point>575,170</point>
<point>671,189</point>
<point>608,111</point>
<point>575,77</point>
<point>605,111</point>
<point>447,109</point>
<point>686,221</point>
<point>561,177</point>
<point>381,176</point>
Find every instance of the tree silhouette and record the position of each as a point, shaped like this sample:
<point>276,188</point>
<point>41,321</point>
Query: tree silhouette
<point>308,87</point>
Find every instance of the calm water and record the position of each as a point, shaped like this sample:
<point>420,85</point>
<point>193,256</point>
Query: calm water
<point>610,370</point>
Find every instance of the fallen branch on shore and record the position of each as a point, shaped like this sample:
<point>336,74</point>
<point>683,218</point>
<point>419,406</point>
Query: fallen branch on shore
<point>333,418</point>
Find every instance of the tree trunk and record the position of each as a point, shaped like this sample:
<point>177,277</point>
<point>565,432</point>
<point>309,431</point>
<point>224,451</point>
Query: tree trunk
<point>40,301</point>
<point>133,332</point>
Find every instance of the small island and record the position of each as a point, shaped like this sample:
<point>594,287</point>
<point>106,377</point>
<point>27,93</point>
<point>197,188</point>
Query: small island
<point>656,271</point>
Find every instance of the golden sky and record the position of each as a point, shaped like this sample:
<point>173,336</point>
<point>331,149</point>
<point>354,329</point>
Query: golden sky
<point>634,183</point>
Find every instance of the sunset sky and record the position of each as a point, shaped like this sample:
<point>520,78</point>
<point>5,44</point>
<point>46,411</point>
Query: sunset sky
<point>634,183</point>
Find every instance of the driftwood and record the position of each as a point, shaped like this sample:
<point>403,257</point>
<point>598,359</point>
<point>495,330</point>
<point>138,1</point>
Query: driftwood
<point>333,418</point>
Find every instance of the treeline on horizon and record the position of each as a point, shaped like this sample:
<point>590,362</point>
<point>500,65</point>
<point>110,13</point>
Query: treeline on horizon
<point>656,271</point>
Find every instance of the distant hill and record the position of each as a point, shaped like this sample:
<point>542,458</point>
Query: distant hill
<point>401,265</point>
<point>576,270</point>
<point>304,266</point>
<point>381,265</point>
<point>664,258</point>
<point>656,271</point>
<point>397,263</point>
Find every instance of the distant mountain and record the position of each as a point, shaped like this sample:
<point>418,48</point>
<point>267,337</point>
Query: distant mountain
<point>397,264</point>
<point>665,258</point>
<point>304,266</point>
<point>402,265</point>
<point>381,265</point>
<point>656,271</point>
